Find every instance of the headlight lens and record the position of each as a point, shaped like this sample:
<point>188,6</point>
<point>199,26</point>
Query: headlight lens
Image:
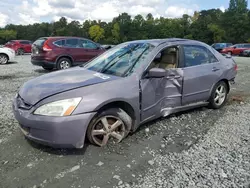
<point>58,108</point>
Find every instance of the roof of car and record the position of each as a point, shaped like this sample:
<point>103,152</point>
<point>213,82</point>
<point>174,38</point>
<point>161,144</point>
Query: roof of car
<point>63,37</point>
<point>157,42</point>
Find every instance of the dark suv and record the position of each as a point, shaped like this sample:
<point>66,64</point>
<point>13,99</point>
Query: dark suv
<point>63,52</point>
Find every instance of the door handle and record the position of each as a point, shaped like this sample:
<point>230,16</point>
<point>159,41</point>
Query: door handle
<point>215,69</point>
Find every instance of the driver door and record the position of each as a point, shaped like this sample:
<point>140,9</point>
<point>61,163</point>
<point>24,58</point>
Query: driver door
<point>159,95</point>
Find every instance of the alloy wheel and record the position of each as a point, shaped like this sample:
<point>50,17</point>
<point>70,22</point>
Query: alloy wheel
<point>108,128</point>
<point>3,59</point>
<point>220,95</point>
<point>64,65</point>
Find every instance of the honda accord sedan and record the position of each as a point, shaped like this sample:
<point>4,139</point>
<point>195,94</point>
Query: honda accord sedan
<point>128,85</point>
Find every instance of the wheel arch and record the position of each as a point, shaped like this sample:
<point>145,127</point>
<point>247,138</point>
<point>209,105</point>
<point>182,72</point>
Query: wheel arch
<point>65,56</point>
<point>2,53</point>
<point>124,106</point>
<point>222,80</point>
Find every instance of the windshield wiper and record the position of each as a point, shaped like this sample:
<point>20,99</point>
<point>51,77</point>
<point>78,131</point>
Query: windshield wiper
<point>131,68</point>
<point>108,66</point>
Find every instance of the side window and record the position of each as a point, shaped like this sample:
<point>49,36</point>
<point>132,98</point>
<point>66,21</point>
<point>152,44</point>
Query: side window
<point>212,58</point>
<point>59,43</point>
<point>247,46</point>
<point>72,43</point>
<point>166,59</point>
<point>196,55</point>
<point>87,44</point>
<point>24,42</point>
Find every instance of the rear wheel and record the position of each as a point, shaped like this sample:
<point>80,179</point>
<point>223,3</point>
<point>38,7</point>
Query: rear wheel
<point>219,95</point>
<point>110,125</point>
<point>20,51</point>
<point>64,63</point>
<point>3,59</point>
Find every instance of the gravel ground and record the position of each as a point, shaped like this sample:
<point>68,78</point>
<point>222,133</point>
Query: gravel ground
<point>198,148</point>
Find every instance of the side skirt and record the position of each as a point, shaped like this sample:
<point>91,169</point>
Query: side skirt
<point>167,111</point>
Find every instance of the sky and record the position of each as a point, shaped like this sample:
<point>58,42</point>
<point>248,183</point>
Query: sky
<point>33,11</point>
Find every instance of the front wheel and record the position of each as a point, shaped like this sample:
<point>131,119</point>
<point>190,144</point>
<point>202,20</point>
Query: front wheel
<point>219,95</point>
<point>230,53</point>
<point>110,125</point>
<point>3,59</point>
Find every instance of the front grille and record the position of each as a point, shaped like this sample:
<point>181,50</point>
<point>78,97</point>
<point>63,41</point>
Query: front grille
<point>22,104</point>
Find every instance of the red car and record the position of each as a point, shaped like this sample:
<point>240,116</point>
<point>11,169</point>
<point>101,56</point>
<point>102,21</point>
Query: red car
<point>19,46</point>
<point>63,52</point>
<point>236,49</point>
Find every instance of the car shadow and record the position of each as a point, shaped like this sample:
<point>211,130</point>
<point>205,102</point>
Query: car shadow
<point>43,71</point>
<point>58,151</point>
<point>11,63</point>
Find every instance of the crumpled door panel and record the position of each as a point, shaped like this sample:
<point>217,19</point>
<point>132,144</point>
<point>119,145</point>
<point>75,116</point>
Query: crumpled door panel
<point>161,93</point>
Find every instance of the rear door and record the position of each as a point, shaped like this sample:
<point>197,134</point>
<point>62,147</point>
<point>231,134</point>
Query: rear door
<point>201,71</point>
<point>73,49</point>
<point>25,45</point>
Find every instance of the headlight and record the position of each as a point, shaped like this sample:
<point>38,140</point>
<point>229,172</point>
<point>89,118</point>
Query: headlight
<point>58,108</point>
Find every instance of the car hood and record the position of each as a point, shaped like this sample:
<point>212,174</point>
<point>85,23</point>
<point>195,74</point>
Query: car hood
<point>50,84</point>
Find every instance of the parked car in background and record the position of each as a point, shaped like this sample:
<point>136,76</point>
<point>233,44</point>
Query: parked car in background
<point>245,53</point>
<point>6,55</point>
<point>19,46</point>
<point>130,84</point>
<point>236,49</point>
<point>221,46</point>
<point>63,52</point>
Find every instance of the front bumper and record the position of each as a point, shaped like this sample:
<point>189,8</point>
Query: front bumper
<point>57,132</point>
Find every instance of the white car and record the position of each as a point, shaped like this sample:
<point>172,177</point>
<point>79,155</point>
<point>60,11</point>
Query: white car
<point>6,55</point>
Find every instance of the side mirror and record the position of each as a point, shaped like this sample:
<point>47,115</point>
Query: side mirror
<point>156,73</point>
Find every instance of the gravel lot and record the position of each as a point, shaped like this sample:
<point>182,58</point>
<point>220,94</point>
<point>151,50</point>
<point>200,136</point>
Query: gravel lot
<point>198,148</point>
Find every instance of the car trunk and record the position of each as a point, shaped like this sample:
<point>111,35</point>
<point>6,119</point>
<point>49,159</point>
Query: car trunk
<point>37,47</point>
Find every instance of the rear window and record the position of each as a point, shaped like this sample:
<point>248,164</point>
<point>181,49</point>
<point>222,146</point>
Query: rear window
<point>40,42</point>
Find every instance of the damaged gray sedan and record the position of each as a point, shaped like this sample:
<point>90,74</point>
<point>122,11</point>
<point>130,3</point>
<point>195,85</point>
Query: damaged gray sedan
<point>112,95</point>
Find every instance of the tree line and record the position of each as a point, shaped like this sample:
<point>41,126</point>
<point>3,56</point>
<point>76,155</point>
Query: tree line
<point>209,26</point>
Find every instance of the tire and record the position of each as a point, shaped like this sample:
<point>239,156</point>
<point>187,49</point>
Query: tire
<point>63,63</point>
<point>214,102</point>
<point>3,59</point>
<point>230,53</point>
<point>20,51</point>
<point>98,135</point>
<point>48,68</point>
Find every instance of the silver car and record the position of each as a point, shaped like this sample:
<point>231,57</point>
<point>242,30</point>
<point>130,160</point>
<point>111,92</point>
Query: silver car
<point>112,95</point>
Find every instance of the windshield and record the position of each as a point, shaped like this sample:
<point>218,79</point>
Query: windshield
<point>122,60</point>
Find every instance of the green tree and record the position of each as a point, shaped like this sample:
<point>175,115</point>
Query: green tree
<point>218,33</point>
<point>96,33</point>
<point>6,35</point>
<point>235,21</point>
<point>116,33</point>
